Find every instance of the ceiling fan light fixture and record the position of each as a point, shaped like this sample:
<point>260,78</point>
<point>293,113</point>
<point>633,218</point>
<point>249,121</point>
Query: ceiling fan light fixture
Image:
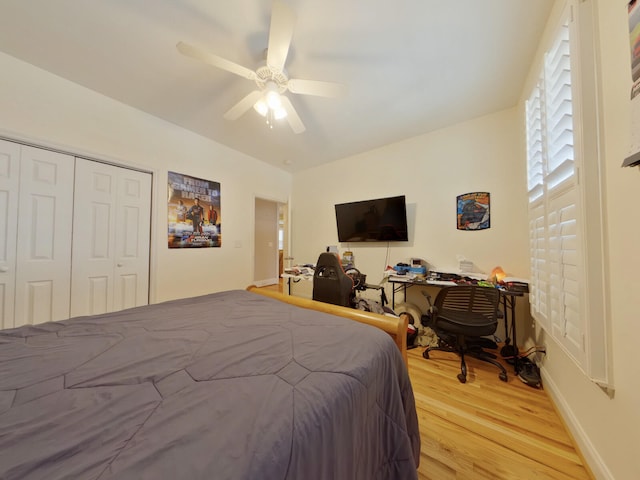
<point>261,107</point>
<point>270,104</point>
<point>272,96</point>
<point>279,113</point>
<point>271,78</point>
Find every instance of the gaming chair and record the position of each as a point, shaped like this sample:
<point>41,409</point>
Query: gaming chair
<point>330,282</point>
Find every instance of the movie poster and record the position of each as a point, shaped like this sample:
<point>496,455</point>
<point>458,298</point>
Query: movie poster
<point>473,211</point>
<point>194,212</point>
<point>634,42</point>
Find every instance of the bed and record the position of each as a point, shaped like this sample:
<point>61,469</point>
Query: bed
<point>231,385</point>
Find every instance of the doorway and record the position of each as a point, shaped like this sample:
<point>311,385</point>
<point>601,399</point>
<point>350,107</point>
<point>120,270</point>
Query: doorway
<point>270,241</point>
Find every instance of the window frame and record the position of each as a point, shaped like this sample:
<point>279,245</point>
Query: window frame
<point>593,354</point>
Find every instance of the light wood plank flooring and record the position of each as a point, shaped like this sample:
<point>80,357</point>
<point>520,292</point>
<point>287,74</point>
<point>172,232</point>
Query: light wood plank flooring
<point>486,429</point>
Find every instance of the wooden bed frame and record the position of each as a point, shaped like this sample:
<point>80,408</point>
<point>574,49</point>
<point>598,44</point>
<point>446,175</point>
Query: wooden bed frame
<point>394,326</point>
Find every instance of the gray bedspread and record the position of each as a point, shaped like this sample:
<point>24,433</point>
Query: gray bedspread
<point>231,385</point>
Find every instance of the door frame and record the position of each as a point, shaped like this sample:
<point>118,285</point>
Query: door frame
<point>284,213</point>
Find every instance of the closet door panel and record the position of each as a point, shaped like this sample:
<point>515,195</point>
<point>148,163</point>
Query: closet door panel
<point>132,241</point>
<point>110,268</point>
<point>93,238</point>
<point>43,250</point>
<point>9,186</point>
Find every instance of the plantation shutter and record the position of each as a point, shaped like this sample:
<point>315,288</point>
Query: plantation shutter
<point>557,296</point>
<point>537,214</point>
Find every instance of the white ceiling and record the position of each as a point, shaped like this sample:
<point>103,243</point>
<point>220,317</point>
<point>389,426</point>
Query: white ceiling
<point>410,66</point>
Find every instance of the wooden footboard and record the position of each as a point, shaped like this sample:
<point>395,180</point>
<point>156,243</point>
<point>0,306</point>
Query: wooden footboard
<point>396,327</point>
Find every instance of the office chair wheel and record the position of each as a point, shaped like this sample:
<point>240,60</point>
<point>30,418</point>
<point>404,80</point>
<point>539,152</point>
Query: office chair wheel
<point>462,378</point>
<point>503,376</point>
<point>425,354</point>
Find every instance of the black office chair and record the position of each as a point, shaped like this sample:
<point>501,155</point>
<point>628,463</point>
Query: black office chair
<point>330,282</point>
<point>460,316</point>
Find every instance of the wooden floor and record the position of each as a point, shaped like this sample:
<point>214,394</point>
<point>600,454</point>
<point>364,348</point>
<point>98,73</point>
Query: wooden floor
<point>486,429</point>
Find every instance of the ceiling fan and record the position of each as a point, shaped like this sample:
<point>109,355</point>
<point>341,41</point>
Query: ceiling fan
<point>271,78</point>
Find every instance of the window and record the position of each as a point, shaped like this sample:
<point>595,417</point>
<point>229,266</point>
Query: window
<point>563,300</point>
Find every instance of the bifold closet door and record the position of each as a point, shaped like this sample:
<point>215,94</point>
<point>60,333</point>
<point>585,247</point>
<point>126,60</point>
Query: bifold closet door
<point>111,232</point>
<point>43,250</point>
<point>9,188</point>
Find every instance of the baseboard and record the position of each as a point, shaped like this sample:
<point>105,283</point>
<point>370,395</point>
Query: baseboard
<point>582,441</point>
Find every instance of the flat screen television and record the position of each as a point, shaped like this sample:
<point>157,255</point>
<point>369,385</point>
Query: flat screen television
<point>377,220</point>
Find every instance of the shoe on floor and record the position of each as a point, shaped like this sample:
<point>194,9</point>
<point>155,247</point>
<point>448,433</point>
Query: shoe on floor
<point>529,373</point>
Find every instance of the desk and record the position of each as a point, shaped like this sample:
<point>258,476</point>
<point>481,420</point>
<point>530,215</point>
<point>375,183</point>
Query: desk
<point>398,284</point>
<point>508,297</point>
<point>296,278</point>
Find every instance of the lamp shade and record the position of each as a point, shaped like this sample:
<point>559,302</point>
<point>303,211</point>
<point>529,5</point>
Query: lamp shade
<point>261,107</point>
<point>497,275</point>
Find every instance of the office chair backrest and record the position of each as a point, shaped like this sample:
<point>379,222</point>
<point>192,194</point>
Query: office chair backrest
<point>330,283</point>
<point>461,315</point>
<point>469,304</point>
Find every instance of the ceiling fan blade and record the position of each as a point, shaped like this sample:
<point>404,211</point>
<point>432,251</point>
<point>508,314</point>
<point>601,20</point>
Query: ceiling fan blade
<point>312,87</point>
<point>292,116</point>
<point>243,105</point>
<point>214,60</point>
<point>280,34</point>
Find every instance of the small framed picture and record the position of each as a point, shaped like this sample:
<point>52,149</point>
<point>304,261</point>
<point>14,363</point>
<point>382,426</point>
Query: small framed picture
<point>473,211</point>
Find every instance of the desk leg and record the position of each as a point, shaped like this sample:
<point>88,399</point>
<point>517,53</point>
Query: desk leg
<point>510,348</point>
<point>516,367</point>
<point>289,285</point>
<point>506,319</point>
<point>393,294</point>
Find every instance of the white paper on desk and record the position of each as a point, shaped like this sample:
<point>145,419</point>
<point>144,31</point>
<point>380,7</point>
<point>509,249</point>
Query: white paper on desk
<point>475,275</point>
<point>401,278</point>
<point>457,271</point>
<point>444,283</point>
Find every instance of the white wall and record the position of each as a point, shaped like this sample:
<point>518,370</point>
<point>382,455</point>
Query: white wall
<point>484,154</point>
<point>607,427</point>
<point>49,111</point>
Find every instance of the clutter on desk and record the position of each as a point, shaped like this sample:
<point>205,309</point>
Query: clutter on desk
<point>516,284</point>
<point>401,274</point>
<point>347,259</point>
<point>303,270</point>
<point>416,273</point>
<point>459,278</point>
<point>416,267</point>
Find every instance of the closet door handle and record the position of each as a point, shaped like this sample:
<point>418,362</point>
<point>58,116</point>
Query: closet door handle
<point>4,269</point>
<point>119,264</point>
